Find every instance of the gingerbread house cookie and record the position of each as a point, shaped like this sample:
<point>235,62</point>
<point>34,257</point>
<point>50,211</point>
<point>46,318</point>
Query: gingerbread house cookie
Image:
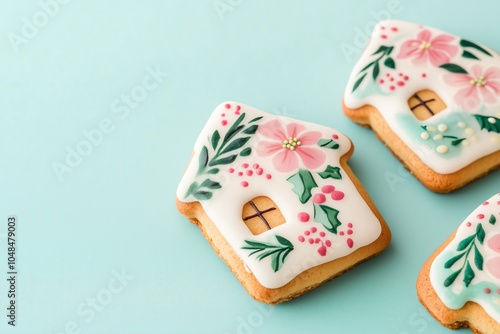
<point>277,201</point>
<point>460,283</point>
<point>433,99</point>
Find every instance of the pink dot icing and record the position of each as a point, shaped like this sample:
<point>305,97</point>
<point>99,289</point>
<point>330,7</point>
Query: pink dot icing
<point>223,115</point>
<point>350,243</point>
<point>349,225</point>
<point>306,233</point>
<point>319,198</point>
<point>337,195</point>
<point>349,232</point>
<point>322,251</point>
<point>394,29</point>
<point>487,290</point>
<point>341,233</point>
<point>303,217</point>
<point>328,243</point>
<point>401,83</point>
<point>381,81</point>
<point>269,176</point>
<point>249,172</point>
<point>406,78</point>
<point>240,173</point>
<point>392,88</point>
<point>245,165</point>
<point>231,170</point>
<point>238,108</point>
<point>227,106</point>
<point>224,122</point>
<point>486,203</point>
<point>259,171</point>
<point>317,241</point>
<point>327,189</point>
<point>335,136</point>
<point>480,216</point>
<point>383,36</point>
<point>301,239</point>
<point>311,241</point>
<point>424,75</point>
<point>322,234</point>
<point>255,166</point>
<point>313,229</point>
<point>244,184</point>
<point>468,224</point>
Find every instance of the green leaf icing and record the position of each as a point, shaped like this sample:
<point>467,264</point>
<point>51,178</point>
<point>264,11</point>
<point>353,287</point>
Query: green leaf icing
<point>277,252</point>
<point>303,182</point>
<point>331,172</point>
<point>327,216</point>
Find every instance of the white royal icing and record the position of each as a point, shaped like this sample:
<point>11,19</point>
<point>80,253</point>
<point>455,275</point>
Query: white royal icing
<point>332,222</point>
<point>404,58</point>
<point>468,269</point>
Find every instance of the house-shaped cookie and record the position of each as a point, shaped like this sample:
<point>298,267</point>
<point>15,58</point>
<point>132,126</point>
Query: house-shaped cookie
<point>275,198</point>
<point>433,99</point>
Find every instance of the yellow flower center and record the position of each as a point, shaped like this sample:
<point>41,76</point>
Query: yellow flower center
<point>478,82</point>
<point>425,45</point>
<point>291,143</point>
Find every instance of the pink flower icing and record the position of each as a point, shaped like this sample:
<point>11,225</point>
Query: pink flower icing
<point>437,50</point>
<point>478,86</point>
<point>287,159</point>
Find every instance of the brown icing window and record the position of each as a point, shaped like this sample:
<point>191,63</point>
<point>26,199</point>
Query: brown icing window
<point>261,214</point>
<point>425,103</point>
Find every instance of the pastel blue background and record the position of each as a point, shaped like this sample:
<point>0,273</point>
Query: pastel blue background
<point>114,213</point>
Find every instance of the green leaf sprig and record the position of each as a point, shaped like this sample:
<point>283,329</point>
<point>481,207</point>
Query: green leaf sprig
<point>389,62</point>
<point>277,252</point>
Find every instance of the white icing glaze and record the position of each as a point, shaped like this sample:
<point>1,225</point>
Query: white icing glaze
<point>359,226</point>
<point>484,288</point>
<point>411,76</point>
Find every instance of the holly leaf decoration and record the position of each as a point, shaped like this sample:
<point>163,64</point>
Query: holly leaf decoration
<point>488,123</point>
<point>454,68</point>
<point>327,216</point>
<point>328,143</point>
<point>331,172</point>
<point>303,182</point>
<point>277,252</point>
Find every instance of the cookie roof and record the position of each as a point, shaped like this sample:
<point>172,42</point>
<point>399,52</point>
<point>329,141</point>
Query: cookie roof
<point>403,59</point>
<point>468,269</point>
<point>243,153</point>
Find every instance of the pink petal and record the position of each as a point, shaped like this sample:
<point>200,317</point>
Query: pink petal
<point>286,161</point>
<point>310,138</point>
<point>273,129</point>
<point>294,129</point>
<point>311,157</point>
<point>494,86</point>
<point>468,98</point>
<point>494,243</point>
<point>266,148</point>
<point>442,39</point>
<point>492,73</point>
<point>409,48</point>
<point>487,95</point>
<point>437,57</point>
<point>424,36</point>
<point>451,50</point>
<point>476,71</point>
<point>421,57</point>
<point>493,266</point>
<point>457,79</point>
